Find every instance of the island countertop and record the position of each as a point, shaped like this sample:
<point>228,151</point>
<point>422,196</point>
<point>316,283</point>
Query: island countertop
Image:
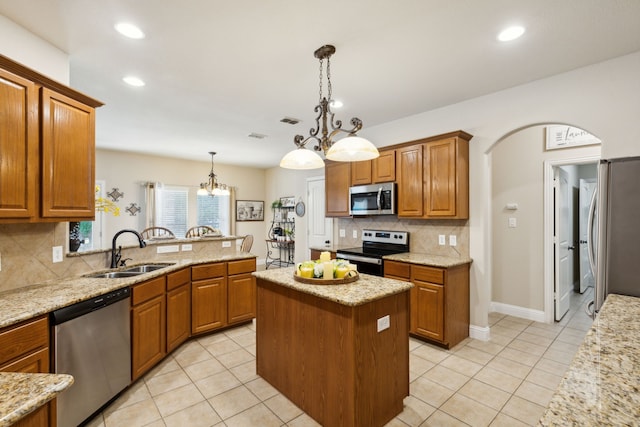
<point>366,289</point>
<point>602,385</point>
<point>24,393</point>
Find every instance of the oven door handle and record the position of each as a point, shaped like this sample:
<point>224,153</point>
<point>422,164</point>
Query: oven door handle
<point>367,260</point>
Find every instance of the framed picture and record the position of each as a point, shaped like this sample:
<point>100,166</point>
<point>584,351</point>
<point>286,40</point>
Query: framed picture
<point>288,202</point>
<point>249,210</point>
<point>563,136</point>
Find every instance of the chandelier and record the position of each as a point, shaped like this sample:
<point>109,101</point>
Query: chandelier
<point>349,149</point>
<point>212,187</point>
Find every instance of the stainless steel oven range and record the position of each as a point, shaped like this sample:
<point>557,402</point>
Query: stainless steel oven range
<point>375,245</point>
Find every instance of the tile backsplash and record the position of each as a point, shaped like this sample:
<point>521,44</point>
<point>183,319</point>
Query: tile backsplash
<point>423,234</point>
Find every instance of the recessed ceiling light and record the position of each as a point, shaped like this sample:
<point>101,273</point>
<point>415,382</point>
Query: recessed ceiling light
<point>511,33</point>
<point>133,81</point>
<point>129,30</point>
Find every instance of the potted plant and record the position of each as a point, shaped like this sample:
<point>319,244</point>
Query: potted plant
<point>276,204</point>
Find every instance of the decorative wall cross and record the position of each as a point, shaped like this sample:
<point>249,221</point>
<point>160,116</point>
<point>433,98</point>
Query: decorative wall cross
<point>115,194</point>
<point>133,209</point>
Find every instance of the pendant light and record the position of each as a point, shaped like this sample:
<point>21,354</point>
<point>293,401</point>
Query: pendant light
<point>212,187</point>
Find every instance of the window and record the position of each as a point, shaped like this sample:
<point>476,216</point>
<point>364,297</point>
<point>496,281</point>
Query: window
<point>171,209</point>
<point>215,212</point>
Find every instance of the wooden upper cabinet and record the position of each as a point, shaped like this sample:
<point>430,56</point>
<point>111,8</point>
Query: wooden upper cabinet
<point>361,172</point>
<point>337,177</point>
<point>68,157</point>
<point>18,147</point>
<point>446,178</point>
<point>409,171</point>
<point>384,167</point>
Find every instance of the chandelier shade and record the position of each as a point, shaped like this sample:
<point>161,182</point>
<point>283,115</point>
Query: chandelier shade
<point>348,149</point>
<point>212,187</point>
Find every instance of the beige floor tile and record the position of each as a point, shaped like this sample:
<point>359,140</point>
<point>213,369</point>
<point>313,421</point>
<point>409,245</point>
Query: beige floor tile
<point>484,393</point>
<point>395,422</point>
<point>486,346</point>
<point>534,393</point>
<point>543,332</point>
<point>216,384</point>
<point>208,340</point>
<point>442,419</point>
<point>245,372</point>
<point>461,365</point>
<point>527,347</point>
<point>192,355</point>
<point>498,379</point>
<point>156,423</point>
<point>134,394</point>
<point>262,389</point>
<point>415,411</point>
<point>97,421</point>
<point>552,366</point>
<point>498,339</point>
<point>204,369</point>
<point>514,323</point>
<point>162,383</point>
<point>431,353</point>
<point>446,377</point>
<point>523,410</point>
<point>504,331</point>
<point>258,415</point>
<point>178,399</point>
<point>429,392</point>
<point>414,343</point>
<point>519,356</point>
<point>283,408</point>
<point>138,414</point>
<point>468,410</point>
<point>233,402</point>
<point>495,317</point>
<point>418,365</point>
<point>167,365</point>
<point>535,339</point>
<point>303,420</point>
<point>199,415</point>
<point>548,326</point>
<point>223,346</point>
<point>251,349</point>
<point>502,420</point>
<point>474,355</point>
<point>544,379</point>
<point>565,346</point>
<point>560,356</point>
<point>509,366</point>
<point>569,336</point>
<point>238,331</point>
<point>235,358</point>
<point>245,340</point>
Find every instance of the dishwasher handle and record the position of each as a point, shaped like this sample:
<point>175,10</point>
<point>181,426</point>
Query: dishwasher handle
<point>83,307</point>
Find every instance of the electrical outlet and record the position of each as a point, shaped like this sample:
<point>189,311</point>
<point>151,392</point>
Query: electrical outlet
<point>442,240</point>
<point>453,240</point>
<point>57,254</point>
<point>343,233</point>
<point>167,249</point>
<point>355,234</point>
<point>226,244</point>
<point>186,247</point>
<point>513,223</point>
<point>383,323</point>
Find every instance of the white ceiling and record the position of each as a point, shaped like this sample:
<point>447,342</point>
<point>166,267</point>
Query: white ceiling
<point>217,70</point>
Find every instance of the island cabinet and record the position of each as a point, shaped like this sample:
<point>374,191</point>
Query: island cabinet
<point>337,180</point>
<point>208,297</point>
<point>335,361</point>
<point>380,169</point>
<point>148,325</point>
<point>241,291</point>
<point>47,127</point>
<point>433,177</point>
<point>315,254</point>
<point>178,308</point>
<point>439,300</point>
<point>25,348</point>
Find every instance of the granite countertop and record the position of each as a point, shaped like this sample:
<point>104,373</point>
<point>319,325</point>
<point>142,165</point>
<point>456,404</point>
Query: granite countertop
<point>32,301</point>
<point>366,289</point>
<point>602,385</point>
<point>24,393</point>
<point>430,260</point>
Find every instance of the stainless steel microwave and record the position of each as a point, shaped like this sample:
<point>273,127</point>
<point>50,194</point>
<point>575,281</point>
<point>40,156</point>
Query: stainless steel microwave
<point>375,199</point>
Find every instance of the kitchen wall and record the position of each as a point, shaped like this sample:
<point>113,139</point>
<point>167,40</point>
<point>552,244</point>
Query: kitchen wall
<point>517,177</point>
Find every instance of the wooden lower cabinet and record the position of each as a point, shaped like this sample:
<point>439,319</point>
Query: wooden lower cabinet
<point>148,325</point>
<point>178,308</point>
<point>315,254</point>
<point>208,297</point>
<point>439,300</point>
<point>241,291</point>
<point>25,348</point>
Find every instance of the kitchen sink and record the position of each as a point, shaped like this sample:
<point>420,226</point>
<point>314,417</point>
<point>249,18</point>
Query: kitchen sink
<point>114,274</point>
<point>145,268</point>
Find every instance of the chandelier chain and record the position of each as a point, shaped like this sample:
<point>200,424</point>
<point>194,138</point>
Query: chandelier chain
<point>329,79</point>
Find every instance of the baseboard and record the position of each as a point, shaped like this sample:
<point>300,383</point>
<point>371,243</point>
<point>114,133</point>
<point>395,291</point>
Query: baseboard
<point>482,333</point>
<point>517,311</point>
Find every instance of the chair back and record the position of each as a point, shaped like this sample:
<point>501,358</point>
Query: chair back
<point>151,233</point>
<point>199,231</point>
<point>246,244</point>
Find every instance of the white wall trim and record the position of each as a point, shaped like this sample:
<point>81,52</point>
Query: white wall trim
<point>522,312</point>
<point>482,333</point>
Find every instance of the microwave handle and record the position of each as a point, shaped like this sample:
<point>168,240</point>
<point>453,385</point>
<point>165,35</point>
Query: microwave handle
<point>379,198</point>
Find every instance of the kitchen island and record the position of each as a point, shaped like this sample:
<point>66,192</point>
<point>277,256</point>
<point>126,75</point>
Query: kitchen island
<point>328,350</point>
<point>602,385</point>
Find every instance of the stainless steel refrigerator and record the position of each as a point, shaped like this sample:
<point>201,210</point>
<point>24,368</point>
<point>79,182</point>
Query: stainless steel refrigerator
<point>616,226</point>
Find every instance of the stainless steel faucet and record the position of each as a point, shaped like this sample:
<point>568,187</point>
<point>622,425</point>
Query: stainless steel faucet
<point>116,255</point>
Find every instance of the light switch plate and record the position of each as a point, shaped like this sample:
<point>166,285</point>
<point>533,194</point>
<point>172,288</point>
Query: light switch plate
<point>453,240</point>
<point>355,234</point>
<point>187,247</point>
<point>57,254</point>
<point>383,323</point>
<point>513,222</point>
<point>442,240</point>
<point>343,233</point>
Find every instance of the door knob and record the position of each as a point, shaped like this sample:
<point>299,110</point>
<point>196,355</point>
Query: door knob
<point>583,241</point>
<point>571,248</point>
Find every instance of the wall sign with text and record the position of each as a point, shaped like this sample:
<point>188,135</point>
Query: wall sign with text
<point>563,136</point>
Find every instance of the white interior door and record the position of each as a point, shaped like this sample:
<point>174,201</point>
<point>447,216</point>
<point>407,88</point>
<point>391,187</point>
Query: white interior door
<point>587,187</point>
<point>320,228</point>
<point>562,282</point>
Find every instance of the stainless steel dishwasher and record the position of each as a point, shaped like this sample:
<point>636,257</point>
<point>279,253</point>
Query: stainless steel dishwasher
<point>92,343</point>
